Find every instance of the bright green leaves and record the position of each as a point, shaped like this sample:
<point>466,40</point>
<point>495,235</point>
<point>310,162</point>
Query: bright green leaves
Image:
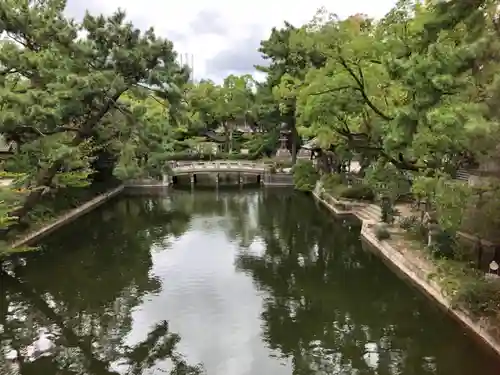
<point>305,176</point>
<point>405,96</point>
<point>449,199</point>
<point>235,97</point>
<point>227,105</point>
<point>61,96</point>
<point>387,181</point>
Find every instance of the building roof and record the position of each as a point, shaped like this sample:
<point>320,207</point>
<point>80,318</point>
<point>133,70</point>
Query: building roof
<point>6,146</point>
<point>312,144</point>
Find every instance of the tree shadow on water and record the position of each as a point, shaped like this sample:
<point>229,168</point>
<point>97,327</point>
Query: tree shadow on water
<point>61,350</point>
<point>67,309</point>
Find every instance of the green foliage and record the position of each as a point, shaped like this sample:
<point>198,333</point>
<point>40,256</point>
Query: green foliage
<point>382,233</point>
<point>67,98</point>
<point>387,210</point>
<point>481,297</point>
<point>189,156</point>
<point>305,176</point>
<point>224,107</point>
<point>331,181</point>
<point>481,217</point>
<point>387,181</point>
<point>415,95</point>
<point>358,192</point>
<point>10,199</point>
<point>448,198</point>
<point>408,222</point>
<point>263,144</point>
<point>469,288</point>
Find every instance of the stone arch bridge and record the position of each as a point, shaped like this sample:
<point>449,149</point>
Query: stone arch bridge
<point>241,169</point>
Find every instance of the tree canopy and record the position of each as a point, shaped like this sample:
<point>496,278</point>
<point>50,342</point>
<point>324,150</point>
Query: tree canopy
<point>84,100</point>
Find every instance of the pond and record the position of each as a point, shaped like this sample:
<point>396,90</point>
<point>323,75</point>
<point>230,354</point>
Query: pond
<point>220,283</point>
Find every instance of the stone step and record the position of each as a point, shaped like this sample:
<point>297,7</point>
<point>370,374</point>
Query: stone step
<point>367,218</point>
<point>368,214</point>
<point>373,209</point>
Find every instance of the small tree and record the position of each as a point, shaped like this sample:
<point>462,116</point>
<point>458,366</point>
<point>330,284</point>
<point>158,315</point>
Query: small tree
<point>389,184</point>
<point>305,176</point>
<point>446,201</point>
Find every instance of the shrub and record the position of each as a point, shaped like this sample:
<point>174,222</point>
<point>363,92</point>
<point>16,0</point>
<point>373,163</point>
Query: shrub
<point>408,222</point>
<point>388,213</point>
<point>280,164</point>
<point>480,296</point>
<point>305,176</point>
<point>358,192</point>
<point>445,245</point>
<point>331,181</point>
<point>382,233</point>
<point>419,232</point>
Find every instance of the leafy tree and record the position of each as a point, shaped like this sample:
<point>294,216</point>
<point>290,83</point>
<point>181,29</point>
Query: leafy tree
<point>305,176</point>
<point>286,64</point>
<point>61,93</point>
<point>233,104</point>
<point>448,198</point>
<point>223,106</point>
<point>386,93</point>
<point>416,89</point>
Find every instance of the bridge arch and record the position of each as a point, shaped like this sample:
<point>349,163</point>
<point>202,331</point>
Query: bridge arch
<point>242,169</point>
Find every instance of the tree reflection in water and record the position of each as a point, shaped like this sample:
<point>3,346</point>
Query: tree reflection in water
<point>333,308</point>
<point>83,296</point>
<point>328,307</point>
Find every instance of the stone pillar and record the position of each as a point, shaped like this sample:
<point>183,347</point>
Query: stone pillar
<point>240,179</point>
<point>192,177</point>
<point>217,180</point>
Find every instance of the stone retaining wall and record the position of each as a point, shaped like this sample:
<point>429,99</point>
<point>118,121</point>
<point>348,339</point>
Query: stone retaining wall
<point>419,275</point>
<point>69,216</point>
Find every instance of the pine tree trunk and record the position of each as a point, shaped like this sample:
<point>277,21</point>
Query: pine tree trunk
<point>46,176</point>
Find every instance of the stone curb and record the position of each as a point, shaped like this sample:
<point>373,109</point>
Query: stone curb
<point>419,278</point>
<point>67,217</point>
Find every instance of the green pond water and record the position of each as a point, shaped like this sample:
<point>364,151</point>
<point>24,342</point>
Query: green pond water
<point>220,283</point>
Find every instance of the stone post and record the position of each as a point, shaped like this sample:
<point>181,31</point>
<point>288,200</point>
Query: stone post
<point>217,180</point>
<point>192,177</point>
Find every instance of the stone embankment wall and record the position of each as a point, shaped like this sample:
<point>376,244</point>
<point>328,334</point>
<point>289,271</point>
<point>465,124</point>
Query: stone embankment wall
<point>414,269</point>
<point>69,216</point>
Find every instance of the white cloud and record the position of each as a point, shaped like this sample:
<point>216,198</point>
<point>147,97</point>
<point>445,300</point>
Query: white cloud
<point>235,25</point>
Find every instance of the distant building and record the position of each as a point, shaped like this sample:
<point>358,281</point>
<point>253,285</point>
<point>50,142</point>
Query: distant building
<point>6,147</point>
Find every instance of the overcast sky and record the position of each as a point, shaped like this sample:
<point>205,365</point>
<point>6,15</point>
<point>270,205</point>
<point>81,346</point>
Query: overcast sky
<point>222,35</point>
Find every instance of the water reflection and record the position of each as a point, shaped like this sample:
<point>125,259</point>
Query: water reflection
<point>244,283</point>
<point>67,310</point>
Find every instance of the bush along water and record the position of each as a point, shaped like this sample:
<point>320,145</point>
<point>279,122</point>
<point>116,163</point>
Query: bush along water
<point>305,176</point>
<point>467,287</point>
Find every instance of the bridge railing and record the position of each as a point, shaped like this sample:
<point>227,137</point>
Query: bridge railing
<point>187,165</point>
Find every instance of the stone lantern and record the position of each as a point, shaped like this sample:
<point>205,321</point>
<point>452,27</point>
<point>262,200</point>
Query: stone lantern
<point>283,151</point>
